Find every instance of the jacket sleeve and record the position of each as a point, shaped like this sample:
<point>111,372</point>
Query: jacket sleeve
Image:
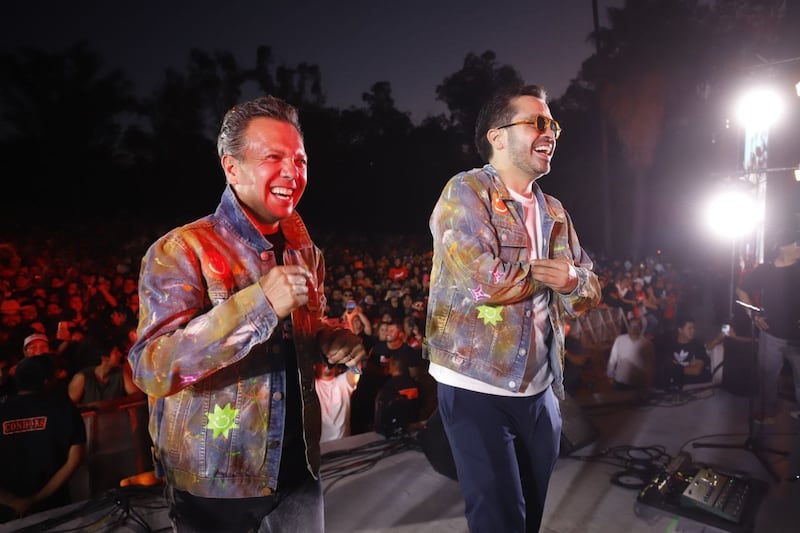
<point>587,292</point>
<point>467,243</point>
<point>181,338</point>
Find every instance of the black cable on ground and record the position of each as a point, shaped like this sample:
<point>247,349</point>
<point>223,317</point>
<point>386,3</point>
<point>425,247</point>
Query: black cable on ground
<point>341,464</point>
<point>638,464</point>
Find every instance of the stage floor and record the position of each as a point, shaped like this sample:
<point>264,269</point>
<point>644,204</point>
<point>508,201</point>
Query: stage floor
<point>403,494</point>
<point>375,485</point>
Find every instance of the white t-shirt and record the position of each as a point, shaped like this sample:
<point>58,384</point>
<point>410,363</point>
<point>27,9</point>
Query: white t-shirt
<point>334,399</point>
<point>631,361</point>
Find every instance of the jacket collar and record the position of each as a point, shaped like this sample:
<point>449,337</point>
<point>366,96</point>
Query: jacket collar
<point>230,213</point>
<point>555,211</point>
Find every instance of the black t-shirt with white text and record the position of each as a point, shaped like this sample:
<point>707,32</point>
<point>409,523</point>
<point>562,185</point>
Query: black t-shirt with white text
<point>36,432</point>
<point>673,356</point>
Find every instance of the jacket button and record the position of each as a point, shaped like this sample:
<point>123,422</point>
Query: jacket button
<point>265,256</point>
<point>512,384</point>
<point>277,396</point>
<point>522,351</point>
<point>266,491</point>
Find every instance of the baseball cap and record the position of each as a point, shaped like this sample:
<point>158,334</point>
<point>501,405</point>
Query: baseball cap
<point>34,337</point>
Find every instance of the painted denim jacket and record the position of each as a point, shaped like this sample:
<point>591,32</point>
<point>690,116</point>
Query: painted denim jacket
<point>216,395</point>
<point>480,308</point>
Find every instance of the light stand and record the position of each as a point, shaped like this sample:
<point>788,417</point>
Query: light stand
<point>732,288</point>
<point>751,443</point>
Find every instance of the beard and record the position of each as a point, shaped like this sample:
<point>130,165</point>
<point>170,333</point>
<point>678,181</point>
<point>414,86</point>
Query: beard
<point>524,158</point>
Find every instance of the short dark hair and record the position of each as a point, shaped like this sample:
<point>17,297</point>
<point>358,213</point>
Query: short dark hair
<point>231,139</point>
<point>395,321</point>
<point>34,373</point>
<point>99,347</point>
<point>498,111</point>
<point>786,236</point>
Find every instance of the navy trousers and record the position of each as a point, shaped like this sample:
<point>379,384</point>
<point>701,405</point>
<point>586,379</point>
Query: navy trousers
<point>505,449</point>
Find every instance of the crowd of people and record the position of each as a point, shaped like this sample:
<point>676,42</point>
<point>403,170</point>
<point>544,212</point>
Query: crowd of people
<point>375,286</point>
<point>77,303</point>
<point>80,307</point>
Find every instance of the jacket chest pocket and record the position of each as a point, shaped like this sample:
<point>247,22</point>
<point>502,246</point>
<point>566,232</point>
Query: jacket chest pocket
<point>512,239</point>
<point>559,243</point>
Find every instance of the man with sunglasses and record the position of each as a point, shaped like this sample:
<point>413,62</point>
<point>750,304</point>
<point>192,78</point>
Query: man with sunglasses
<point>507,267</point>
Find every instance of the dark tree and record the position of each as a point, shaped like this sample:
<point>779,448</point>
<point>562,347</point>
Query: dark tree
<point>465,91</point>
<point>63,118</point>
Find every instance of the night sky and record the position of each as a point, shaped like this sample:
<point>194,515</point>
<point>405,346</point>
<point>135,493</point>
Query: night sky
<point>413,44</point>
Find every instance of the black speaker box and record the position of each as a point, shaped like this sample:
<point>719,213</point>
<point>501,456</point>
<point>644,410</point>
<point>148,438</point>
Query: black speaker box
<point>576,429</point>
<point>738,375</point>
<point>433,441</point>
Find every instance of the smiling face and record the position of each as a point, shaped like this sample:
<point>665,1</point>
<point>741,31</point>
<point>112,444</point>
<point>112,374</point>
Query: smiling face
<point>36,347</point>
<point>394,335</point>
<point>271,176</point>
<point>522,152</point>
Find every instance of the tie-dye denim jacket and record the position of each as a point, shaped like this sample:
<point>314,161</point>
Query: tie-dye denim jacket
<point>216,396</point>
<point>480,308</point>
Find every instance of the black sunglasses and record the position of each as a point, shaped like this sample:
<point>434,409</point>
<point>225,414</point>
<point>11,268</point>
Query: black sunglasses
<point>539,122</point>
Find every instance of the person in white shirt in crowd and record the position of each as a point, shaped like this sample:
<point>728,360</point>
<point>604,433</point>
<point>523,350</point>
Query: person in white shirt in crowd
<point>334,387</point>
<point>631,362</point>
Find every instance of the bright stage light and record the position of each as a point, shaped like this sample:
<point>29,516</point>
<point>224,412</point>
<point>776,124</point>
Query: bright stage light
<point>759,109</point>
<point>732,214</point>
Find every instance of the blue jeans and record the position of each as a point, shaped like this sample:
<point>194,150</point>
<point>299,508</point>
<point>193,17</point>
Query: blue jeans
<point>771,353</point>
<point>505,449</point>
<point>299,510</point>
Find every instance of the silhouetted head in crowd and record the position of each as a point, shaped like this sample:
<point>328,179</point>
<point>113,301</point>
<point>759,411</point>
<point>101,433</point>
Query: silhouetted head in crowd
<point>35,374</point>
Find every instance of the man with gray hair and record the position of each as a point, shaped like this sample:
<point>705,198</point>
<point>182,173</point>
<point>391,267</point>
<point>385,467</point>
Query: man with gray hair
<point>231,323</point>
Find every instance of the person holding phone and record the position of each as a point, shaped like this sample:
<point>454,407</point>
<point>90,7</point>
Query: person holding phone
<point>353,314</point>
